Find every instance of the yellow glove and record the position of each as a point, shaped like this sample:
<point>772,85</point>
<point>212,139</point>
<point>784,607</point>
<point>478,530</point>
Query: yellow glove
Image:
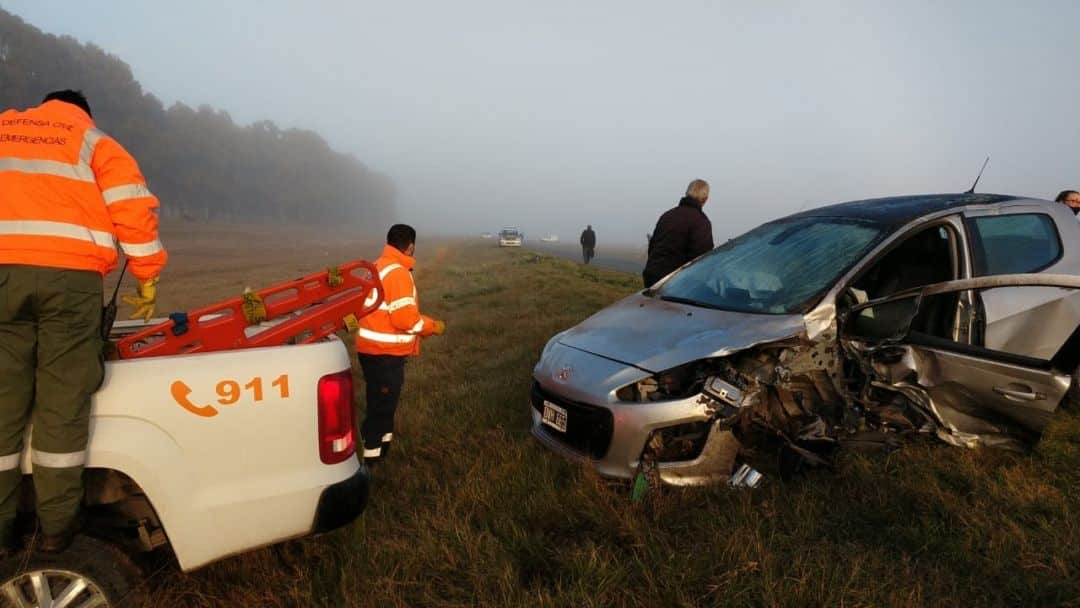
<point>144,300</point>
<point>439,329</point>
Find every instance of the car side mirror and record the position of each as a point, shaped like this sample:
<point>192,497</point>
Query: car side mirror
<point>888,321</point>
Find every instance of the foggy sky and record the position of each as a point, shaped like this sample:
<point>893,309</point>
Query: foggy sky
<point>550,115</point>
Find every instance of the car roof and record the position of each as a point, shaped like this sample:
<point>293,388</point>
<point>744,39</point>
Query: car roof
<point>898,210</point>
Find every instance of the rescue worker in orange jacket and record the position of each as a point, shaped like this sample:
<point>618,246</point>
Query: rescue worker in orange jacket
<point>69,196</point>
<point>388,336</point>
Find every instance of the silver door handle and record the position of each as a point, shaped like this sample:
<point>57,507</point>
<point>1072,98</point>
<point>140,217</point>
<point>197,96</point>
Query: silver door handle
<point>1018,395</point>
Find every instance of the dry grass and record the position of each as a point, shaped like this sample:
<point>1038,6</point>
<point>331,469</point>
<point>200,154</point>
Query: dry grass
<point>470,511</point>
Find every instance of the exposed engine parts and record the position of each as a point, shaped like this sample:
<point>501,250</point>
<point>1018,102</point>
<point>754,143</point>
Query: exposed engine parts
<point>781,406</point>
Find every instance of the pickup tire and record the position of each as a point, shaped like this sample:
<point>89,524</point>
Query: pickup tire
<point>89,569</point>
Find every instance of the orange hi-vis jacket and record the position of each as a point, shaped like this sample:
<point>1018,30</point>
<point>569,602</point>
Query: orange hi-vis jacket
<point>69,193</point>
<point>397,326</point>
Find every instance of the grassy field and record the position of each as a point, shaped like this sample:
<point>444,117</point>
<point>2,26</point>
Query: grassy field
<point>470,511</point>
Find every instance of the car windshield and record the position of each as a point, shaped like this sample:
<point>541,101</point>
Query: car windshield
<point>509,234</point>
<point>779,268</point>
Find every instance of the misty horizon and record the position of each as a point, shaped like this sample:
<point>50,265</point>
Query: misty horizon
<point>552,117</point>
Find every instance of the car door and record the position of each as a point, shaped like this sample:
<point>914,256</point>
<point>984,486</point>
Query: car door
<point>1024,239</point>
<point>976,393</point>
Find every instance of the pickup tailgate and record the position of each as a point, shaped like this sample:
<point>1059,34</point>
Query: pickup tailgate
<point>226,445</point>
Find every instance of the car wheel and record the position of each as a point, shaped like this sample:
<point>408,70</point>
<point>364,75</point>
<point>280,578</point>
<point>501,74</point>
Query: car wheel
<point>89,573</point>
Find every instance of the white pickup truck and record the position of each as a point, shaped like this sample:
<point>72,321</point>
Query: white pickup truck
<point>206,455</point>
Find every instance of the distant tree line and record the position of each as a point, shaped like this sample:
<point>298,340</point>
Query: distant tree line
<point>199,162</point>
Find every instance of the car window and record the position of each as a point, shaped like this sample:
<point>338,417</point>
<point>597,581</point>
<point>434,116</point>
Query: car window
<point>882,322</point>
<point>781,267</point>
<point>1012,244</point>
<point>922,258</point>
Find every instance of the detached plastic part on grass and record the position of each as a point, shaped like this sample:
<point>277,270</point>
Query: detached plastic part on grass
<point>745,477</point>
<point>644,480</point>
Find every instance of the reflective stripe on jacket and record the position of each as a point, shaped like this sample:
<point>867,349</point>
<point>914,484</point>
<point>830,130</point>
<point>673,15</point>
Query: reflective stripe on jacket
<point>397,326</point>
<point>70,195</point>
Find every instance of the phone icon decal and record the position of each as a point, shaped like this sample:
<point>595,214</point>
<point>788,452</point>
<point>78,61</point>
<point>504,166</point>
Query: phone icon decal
<point>181,393</point>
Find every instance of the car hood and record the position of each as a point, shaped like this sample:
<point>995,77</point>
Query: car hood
<point>655,335</point>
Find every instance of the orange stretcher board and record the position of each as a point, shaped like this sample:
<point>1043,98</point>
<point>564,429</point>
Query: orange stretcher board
<point>297,312</point>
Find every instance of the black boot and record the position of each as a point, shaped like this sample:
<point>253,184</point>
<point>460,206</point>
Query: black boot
<point>58,543</point>
<point>371,460</point>
<point>10,543</point>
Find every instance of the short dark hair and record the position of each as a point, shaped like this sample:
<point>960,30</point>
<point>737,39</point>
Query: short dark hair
<point>70,96</point>
<point>401,236</point>
<point>1064,194</point>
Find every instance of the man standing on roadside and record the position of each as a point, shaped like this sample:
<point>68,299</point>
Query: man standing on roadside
<point>388,337</point>
<point>682,234</point>
<point>68,194</point>
<point>588,244</point>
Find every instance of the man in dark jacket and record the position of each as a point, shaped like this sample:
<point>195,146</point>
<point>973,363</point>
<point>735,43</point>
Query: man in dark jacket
<point>681,234</point>
<point>588,244</point>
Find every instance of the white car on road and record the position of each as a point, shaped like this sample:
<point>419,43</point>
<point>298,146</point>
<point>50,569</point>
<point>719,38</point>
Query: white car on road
<point>510,237</point>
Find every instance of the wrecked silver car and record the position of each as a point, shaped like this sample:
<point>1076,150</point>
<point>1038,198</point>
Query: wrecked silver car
<point>859,324</point>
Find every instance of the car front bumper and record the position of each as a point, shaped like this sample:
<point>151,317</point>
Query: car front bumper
<point>605,433</point>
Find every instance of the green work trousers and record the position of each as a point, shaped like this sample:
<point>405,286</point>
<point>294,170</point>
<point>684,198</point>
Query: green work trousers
<point>50,365</point>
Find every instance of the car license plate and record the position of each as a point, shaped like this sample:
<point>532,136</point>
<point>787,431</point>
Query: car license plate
<point>554,416</point>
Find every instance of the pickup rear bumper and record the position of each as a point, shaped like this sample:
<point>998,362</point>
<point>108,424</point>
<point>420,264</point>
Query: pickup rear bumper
<point>342,502</point>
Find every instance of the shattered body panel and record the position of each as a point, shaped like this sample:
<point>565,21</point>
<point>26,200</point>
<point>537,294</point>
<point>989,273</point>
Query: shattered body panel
<point>686,393</point>
<point>972,398</point>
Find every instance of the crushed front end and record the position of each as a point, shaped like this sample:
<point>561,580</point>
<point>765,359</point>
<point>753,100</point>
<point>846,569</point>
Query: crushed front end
<point>780,407</point>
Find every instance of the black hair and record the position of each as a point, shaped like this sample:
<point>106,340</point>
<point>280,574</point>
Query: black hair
<point>1064,195</point>
<point>71,96</point>
<point>401,236</point>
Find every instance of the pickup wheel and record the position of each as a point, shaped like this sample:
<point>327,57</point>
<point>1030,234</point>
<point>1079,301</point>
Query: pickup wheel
<point>89,573</point>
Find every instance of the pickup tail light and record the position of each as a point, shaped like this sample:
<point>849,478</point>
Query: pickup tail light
<point>337,429</point>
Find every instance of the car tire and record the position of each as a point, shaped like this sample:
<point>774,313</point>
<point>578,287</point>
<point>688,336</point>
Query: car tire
<point>89,569</point>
